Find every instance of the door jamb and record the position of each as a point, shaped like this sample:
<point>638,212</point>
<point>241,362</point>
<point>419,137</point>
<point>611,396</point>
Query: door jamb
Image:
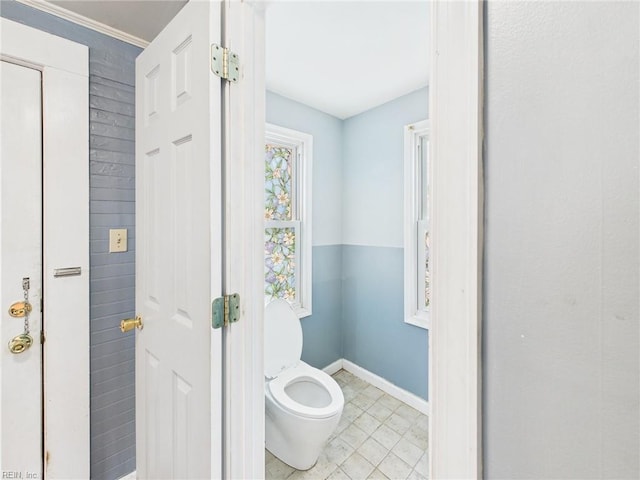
<point>244,377</point>
<point>457,218</point>
<point>65,84</point>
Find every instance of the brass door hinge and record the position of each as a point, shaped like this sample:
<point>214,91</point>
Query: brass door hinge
<point>225,310</point>
<point>225,63</point>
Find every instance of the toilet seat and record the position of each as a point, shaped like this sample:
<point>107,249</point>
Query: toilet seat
<point>302,372</point>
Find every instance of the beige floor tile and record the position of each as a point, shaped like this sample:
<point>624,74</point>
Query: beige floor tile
<point>277,470</point>
<point>390,402</point>
<point>342,424</point>
<point>398,423</point>
<point>394,467</point>
<point>367,423</point>
<point>340,381</point>
<point>408,412</point>
<point>354,436</point>
<point>351,411</point>
<point>377,475</point>
<point>422,467</point>
<point>373,451</point>
<point>362,401</point>
<point>357,467</point>
<point>337,451</point>
<point>358,383</point>
<point>268,456</point>
<point>408,452</point>
<point>321,470</point>
<point>338,474</point>
<point>324,467</point>
<point>349,392</point>
<point>423,422</point>
<point>418,436</point>
<point>379,411</point>
<point>373,392</point>
<point>386,437</point>
<point>416,476</point>
<point>343,375</point>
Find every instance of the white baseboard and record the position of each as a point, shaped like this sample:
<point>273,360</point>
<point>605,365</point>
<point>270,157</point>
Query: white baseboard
<point>333,367</point>
<point>386,386</point>
<point>130,476</point>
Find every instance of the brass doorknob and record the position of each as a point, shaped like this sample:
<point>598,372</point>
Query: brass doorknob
<point>131,323</point>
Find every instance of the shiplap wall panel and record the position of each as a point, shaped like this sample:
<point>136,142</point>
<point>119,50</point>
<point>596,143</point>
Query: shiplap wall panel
<point>112,205</point>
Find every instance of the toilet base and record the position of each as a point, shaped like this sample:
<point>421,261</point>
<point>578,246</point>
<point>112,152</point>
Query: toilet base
<point>297,441</point>
<point>294,466</point>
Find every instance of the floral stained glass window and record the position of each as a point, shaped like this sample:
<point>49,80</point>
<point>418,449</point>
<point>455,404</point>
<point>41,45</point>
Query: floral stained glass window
<point>287,217</point>
<point>282,228</point>
<point>280,263</point>
<point>278,182</point>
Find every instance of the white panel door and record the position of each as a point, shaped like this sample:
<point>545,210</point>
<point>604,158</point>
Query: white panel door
<point>21,258</point>
<point>178,254</point>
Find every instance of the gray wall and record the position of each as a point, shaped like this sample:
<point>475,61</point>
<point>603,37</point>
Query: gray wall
<point>358,239</point>
<point>111,124</point>
<point>561,362</point>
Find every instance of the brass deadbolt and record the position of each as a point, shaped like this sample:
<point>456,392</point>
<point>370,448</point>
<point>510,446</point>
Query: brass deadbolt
<point>19,309</point>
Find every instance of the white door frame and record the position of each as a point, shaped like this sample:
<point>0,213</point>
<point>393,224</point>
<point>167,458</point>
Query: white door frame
<point>65,86</point>
<point>456,224</point>
<point>456,153</point>
<point>244,212</point>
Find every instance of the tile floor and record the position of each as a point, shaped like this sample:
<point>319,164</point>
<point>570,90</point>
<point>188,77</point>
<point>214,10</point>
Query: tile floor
<point>378,437</point>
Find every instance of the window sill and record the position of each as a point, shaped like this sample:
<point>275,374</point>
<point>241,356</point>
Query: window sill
<point>302,312</point>
<point>422,320</point>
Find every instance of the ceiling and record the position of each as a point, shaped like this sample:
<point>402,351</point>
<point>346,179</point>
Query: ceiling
<point>141,18</point>
<point>340,57</point>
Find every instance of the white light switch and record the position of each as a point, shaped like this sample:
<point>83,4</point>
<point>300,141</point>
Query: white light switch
<point>117,240</point>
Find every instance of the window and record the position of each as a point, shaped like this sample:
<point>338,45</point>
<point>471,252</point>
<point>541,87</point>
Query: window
<point>287,214</point>
<point>417,279</point>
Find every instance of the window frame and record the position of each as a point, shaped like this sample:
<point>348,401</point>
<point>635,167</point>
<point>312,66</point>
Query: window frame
<point>413,224</point>
<point>301,203</point>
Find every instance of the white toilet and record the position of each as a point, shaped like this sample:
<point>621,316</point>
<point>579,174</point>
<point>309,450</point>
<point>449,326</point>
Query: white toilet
<point>303,404</point>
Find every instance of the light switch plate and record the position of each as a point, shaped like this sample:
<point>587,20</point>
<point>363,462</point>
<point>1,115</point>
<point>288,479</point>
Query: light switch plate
<point>117,240</point>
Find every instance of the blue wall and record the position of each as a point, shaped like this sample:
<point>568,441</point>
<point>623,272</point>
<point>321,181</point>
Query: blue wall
<point>375,335</point>
<point>322,330</point>
<point>112,183</point>
<point>372,171</point>
<point>358,239</point>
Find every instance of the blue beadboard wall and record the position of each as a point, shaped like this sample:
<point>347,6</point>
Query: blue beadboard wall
<point>112,205</point>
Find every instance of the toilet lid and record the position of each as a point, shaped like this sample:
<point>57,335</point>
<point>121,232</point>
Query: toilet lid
<point>282,338</point>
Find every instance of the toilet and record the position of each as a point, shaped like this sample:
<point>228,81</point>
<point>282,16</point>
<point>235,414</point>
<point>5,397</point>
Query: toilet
<point>303,404</point>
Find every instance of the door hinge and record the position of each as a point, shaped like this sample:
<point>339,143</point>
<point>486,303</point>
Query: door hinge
<point>42,337</point>
<point>225,63</point>
<point>226,310</point>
